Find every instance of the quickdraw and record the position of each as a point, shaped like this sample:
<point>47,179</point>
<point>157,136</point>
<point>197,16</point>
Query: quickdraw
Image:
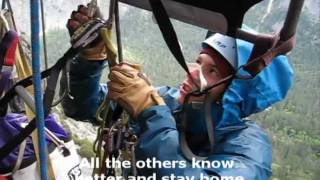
<point>119,143</point>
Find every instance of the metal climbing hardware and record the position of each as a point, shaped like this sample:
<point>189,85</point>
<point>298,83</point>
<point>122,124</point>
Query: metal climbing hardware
<point>92,7</point>
<point>119,144</point>
<point>87,33</point>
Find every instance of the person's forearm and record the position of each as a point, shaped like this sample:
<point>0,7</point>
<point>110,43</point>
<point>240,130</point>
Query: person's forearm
<point>86,93</point>
<point>159,139</point>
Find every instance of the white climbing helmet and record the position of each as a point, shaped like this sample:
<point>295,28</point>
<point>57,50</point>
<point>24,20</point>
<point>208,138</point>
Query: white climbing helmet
<point>225,45</point>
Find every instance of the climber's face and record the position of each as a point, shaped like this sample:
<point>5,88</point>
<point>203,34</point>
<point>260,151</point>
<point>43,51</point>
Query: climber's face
<point>205,72</point>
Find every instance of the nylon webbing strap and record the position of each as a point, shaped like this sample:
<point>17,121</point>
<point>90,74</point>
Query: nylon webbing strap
<point>187,152</point>
<point>168,32</point>
<point>7,148</point>
<point>48,98</point>
<point>262,57</point>
<point>7,58</point>
<point>172,42</point>
<point>7,48</point>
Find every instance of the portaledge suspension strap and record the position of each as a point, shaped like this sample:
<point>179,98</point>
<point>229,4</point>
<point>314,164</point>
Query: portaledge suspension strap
<point>172,42</point>
<point>168,32</point>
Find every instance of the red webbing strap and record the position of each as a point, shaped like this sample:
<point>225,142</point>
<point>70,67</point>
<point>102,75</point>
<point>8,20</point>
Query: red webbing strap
<point>8,45</point>
<point>272,46</point>
<point>11,52</point>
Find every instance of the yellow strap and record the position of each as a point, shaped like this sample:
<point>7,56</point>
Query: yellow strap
<point>111,51</point>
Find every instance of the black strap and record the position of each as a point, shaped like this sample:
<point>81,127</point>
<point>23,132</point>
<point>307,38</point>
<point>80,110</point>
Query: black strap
<point>3,5</point>
<point>171,39</point>
<point>53,74</point>
<point>168,32</point>
<point>186,150</point>
<point>9,147</point>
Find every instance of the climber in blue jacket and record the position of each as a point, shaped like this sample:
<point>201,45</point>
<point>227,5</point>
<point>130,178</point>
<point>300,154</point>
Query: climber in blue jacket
<point>237,139</point>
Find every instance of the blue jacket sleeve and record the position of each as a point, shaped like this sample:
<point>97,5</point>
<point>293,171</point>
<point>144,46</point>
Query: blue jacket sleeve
<point>86,92</point>
<point>159,139</point>
<point>248,150</point>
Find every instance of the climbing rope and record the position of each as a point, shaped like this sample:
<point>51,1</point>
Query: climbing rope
<point>36,68</point>
<point>43,23</point>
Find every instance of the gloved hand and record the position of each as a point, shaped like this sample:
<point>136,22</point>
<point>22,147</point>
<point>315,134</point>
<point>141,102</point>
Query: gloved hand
<point>97,49</point>
<point>129,87</point>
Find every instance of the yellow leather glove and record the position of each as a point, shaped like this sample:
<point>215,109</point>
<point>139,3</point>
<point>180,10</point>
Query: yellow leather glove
<point>130,88</point>
<point>97,49</point>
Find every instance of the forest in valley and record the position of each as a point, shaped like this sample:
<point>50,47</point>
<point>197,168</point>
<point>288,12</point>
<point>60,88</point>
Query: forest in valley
<point>293,125</point>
